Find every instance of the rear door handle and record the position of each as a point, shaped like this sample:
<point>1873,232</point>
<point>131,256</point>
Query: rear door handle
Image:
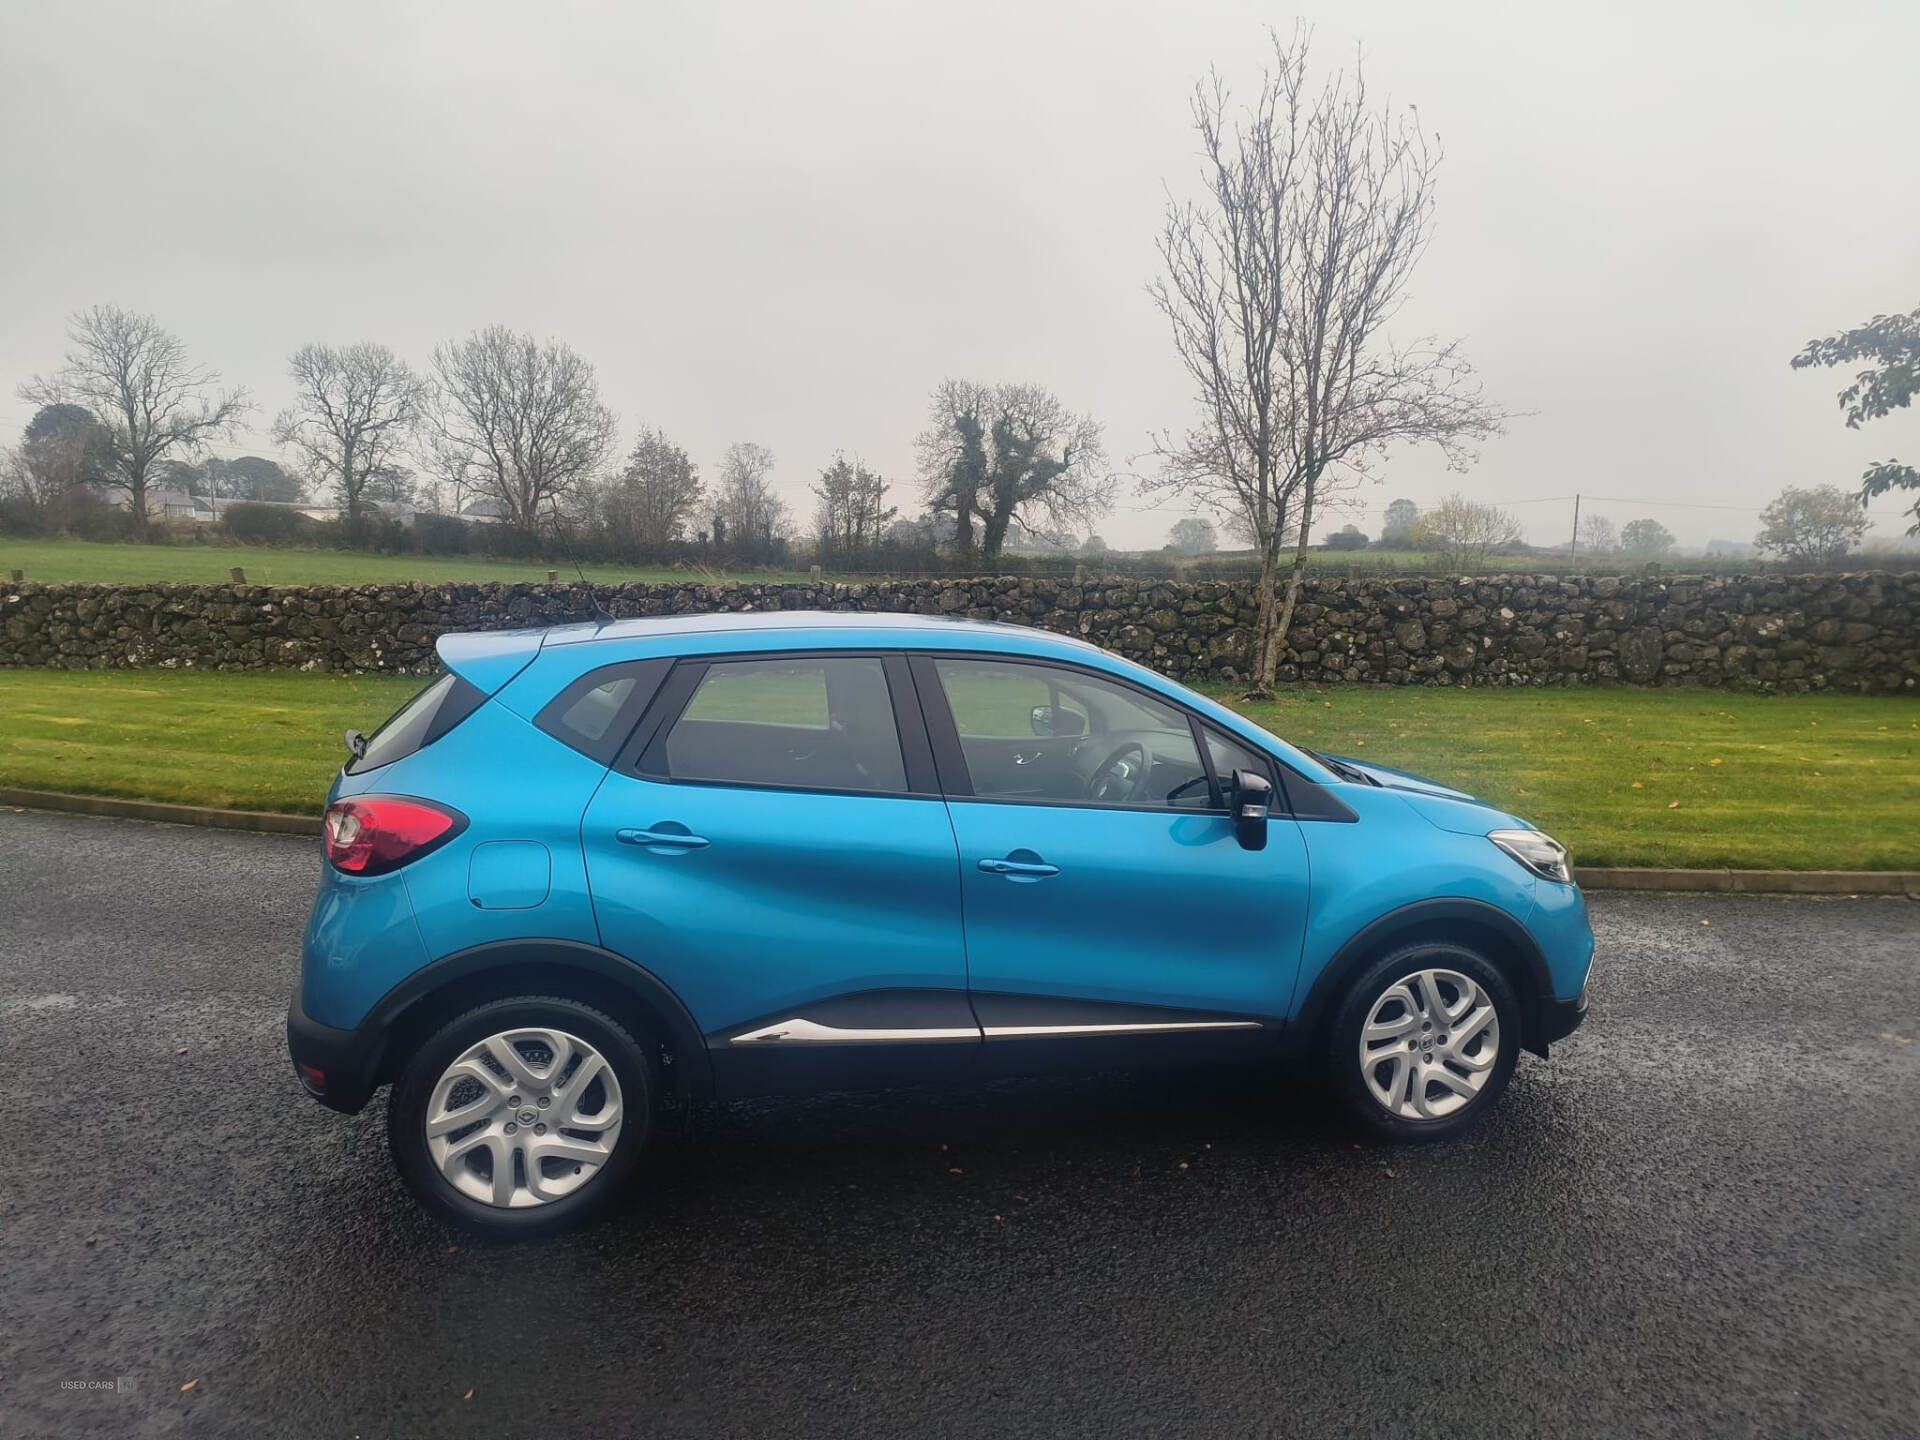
<point>665,839</point>
<point>1035,868</point>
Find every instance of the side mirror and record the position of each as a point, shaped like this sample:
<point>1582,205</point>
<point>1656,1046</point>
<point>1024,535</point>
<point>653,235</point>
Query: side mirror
<point>1049,723</point>
<point>1252,794</point>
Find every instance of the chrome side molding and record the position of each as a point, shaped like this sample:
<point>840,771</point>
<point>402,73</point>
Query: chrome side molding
<point>797,1031</point>
<point>1136,1028</point>
<point>811,1032</point>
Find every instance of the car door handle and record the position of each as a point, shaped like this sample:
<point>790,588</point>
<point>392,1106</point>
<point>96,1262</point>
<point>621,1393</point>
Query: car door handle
<point>666,839</point>
<point>1035,868</point>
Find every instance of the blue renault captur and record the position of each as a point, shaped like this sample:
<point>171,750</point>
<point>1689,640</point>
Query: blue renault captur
<point>595,868</point>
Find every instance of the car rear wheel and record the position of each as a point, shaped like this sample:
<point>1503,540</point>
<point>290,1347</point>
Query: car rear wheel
<point>522,1116</point>
<point>1424,1042</point>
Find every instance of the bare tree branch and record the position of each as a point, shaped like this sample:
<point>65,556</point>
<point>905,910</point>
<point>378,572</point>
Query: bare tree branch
<point>1277,287</point>
<point>517,420</point>
<point>135,377</point>
<point>752,513</point>
<point>355,410</point>
<point>1007,453</point>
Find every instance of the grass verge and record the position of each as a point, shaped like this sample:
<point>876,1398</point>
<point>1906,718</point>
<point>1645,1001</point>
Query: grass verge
<point>1691,778</point>
<point>56,562</point>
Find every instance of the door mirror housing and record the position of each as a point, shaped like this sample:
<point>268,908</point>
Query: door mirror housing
<point>1049,723</point>
<point>1252,797</point>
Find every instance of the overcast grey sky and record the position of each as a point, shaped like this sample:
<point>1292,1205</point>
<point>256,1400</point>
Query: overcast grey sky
<point>786,222</point>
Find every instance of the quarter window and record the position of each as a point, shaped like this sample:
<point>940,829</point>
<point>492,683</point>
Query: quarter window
<point>597,712</point>
<point>1230,755</point>
<point>821,723</point>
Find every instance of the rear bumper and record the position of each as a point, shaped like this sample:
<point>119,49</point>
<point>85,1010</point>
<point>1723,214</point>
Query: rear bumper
<point>337,1067</point>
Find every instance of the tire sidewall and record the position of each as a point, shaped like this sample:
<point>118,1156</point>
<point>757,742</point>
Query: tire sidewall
<point>1341,1065</point>
<point>407,1108</point>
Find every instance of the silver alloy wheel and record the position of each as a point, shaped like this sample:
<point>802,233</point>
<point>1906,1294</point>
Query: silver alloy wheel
<point>1429,1045</point>
<point>524,1117</point>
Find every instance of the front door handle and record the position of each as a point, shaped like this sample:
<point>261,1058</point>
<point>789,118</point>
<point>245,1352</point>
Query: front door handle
<point>665,839</point>
<point>1035,868</point>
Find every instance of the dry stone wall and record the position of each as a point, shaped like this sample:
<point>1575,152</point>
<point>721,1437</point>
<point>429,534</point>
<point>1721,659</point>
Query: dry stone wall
<point>1856,632</point>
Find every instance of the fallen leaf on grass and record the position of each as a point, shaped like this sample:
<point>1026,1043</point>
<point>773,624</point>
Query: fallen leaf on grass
<point>1638,786</point>
<point>1673,804</point>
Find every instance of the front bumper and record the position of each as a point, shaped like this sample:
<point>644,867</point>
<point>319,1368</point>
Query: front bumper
<point>1560,1018</point>
<point>337,1067</point>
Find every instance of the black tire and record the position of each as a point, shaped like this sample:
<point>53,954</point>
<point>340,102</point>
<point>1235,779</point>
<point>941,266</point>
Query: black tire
<point>407,1114</point>
<point>1346,1078</point>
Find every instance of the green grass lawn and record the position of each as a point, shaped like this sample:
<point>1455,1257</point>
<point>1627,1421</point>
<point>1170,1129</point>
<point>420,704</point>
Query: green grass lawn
<point>65,561</point>
<point>1681,777</point>
<point>1624,777</point>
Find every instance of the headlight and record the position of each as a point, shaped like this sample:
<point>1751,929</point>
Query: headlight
<point>1542,854</point>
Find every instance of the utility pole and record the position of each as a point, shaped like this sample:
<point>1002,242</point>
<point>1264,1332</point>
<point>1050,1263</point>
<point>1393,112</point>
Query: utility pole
<point>1573,550</point>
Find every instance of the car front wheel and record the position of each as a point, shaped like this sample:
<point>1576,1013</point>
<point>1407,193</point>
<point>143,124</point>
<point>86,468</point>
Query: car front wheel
<point>1424,1042</point>
<point>521,1116</point>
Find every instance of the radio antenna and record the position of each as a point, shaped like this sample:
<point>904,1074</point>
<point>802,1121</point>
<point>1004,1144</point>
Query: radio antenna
<point>600,616</point>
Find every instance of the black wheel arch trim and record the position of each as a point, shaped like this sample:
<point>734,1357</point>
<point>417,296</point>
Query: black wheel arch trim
<point>629,976</point>
<point>1535,998</point>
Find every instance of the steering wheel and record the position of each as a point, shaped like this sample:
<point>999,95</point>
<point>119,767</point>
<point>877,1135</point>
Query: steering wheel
<point>1123,777</point>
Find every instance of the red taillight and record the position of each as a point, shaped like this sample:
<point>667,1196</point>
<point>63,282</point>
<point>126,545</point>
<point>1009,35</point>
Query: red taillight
<point>372,834</point>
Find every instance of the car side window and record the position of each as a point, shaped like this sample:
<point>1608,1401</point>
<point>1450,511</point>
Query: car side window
<point>810,723</point>
<point>1044,733</point>
<point>597,712</point>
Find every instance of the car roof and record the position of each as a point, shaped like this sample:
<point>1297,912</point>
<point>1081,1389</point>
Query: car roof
<point>884,627</point>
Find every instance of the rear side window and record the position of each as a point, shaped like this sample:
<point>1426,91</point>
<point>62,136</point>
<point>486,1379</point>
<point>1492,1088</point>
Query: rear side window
<point>597,712</point>
<point>810,724</point>
<point>419,722</point>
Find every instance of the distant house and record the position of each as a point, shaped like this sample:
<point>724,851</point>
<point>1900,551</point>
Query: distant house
<point>179,505</point>
<point>485,511</point>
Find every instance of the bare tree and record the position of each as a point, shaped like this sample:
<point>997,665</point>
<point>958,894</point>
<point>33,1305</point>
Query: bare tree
<point>1463,532</point>
<point>1277,287</point>
<point>1193,536</point>
<point>748,509</point>
<point>1396,533</point>
<point>518,420</point>
<point>1646,539</point>
<point>853,511</point>
<point>997,454</point>
<point>136,379</point>
<point>354,412</point>
<point>651,502</point>
<point>1597,537</point>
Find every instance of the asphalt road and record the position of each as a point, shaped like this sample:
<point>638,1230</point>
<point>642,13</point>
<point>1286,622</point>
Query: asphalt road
<point>1699,1218</point>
